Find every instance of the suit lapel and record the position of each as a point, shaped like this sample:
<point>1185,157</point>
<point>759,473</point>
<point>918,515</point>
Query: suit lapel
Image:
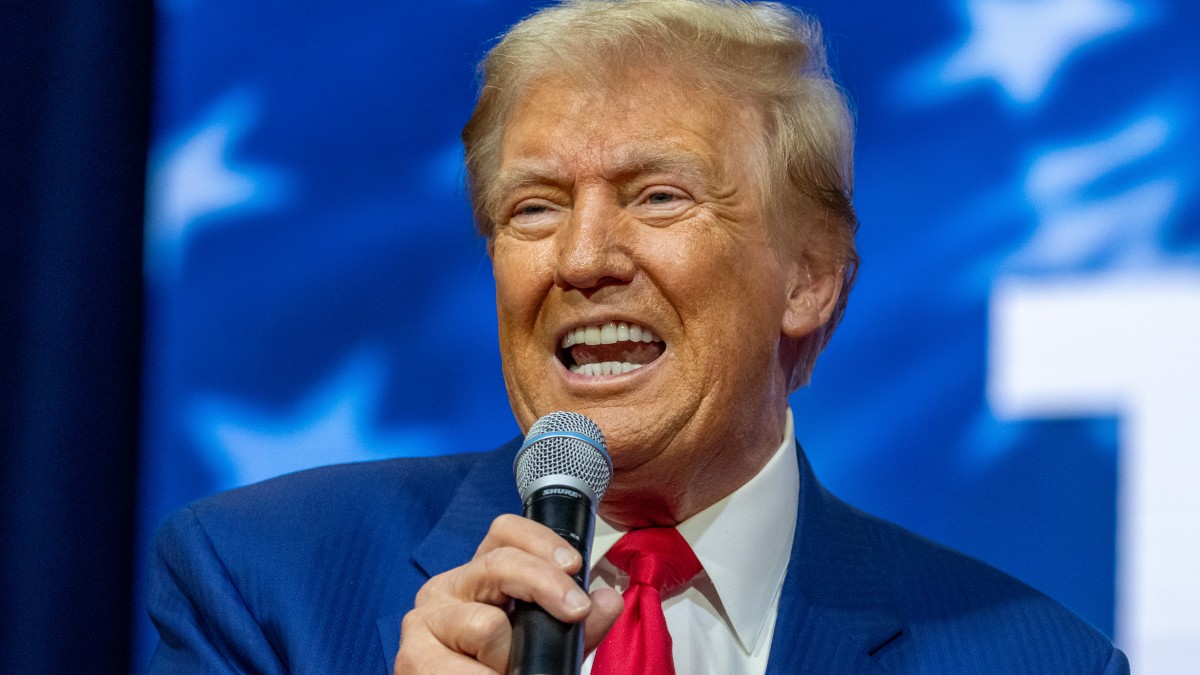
<point>835,611</point>
<point>486,491</point>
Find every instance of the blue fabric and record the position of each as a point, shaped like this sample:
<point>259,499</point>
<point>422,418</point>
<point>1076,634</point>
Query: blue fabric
<point>312,572</point>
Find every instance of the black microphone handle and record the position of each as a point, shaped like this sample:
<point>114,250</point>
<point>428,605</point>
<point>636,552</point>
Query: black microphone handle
<point>541,644</point>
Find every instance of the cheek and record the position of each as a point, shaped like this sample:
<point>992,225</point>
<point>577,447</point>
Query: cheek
<point>520,285</point>
<point>735,306</point>
<point>721,279</point>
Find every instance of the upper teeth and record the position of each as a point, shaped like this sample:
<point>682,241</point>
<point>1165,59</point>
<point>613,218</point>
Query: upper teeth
<point>607,334</point>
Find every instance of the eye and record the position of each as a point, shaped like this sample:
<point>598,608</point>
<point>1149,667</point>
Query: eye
<point>531,210</point>
<point>534,216</point>
<point>662,200</point>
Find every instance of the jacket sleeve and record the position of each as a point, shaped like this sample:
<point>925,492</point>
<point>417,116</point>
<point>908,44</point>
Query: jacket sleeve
<point>204,624</point>
<point>1118,664</point>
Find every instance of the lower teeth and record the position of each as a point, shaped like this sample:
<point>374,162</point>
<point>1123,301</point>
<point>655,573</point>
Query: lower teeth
<point>605,368</point>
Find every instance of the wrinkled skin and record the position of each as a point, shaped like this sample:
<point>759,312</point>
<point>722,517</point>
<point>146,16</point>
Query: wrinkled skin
<point>633,202</point>
<point>640,203</point>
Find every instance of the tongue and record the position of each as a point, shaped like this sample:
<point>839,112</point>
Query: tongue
<point>629,352</point>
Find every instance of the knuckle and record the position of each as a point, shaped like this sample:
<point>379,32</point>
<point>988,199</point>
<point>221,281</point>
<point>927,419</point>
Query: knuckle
<point>432,589</point>
<point>414,641</point>
<point>487,561</point>
<point>487,623</point>
<point>410,624</point>
<point>504,522</point>
<point>509,519</point>
<point>487,565</point>
<point>497,562</point>
<point>422,596</point>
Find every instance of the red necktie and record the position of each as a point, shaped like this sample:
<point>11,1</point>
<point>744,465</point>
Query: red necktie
<point>658,562</point>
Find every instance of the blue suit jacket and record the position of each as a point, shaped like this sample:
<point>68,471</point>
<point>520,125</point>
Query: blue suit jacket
<point>312,572</point>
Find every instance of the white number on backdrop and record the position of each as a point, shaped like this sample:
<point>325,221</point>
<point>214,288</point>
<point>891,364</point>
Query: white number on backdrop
<point>1124,345</point>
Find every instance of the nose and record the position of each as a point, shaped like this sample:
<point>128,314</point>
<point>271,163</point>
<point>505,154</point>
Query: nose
<point>594,247</point>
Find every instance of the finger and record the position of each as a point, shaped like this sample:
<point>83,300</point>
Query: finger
<point>512,531</point>
<point>506,573</point>
<point>477,630</point>
<point>607,606</point>
<point>458,638</point>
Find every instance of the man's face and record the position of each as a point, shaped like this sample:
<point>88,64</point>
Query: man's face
<point>634,209</point>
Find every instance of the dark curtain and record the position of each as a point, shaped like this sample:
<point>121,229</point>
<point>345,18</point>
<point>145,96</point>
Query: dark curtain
<point>74,120</point>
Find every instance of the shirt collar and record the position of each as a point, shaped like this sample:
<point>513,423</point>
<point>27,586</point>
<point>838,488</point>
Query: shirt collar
<point>743,541</point>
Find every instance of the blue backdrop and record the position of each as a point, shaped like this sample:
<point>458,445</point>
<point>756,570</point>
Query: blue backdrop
<point>316,293</point>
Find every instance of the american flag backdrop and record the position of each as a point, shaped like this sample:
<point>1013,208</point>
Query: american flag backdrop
<point>1018,374</point>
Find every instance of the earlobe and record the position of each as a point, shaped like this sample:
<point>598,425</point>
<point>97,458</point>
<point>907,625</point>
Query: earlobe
<point>812,297</point>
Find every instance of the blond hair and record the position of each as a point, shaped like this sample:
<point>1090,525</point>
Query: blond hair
<point>761,54</point>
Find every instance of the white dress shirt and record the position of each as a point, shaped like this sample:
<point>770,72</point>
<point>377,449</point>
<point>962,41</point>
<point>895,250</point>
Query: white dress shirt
<point>722,622</point>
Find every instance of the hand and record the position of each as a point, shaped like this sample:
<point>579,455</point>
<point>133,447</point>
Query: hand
<point>458,623</point>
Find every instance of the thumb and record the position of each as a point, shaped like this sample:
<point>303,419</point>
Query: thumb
<point>606,607</point>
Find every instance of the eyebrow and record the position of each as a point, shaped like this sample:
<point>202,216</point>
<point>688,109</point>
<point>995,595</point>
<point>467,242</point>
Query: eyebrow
<point>643,160</point>
<point>637,161</point>
<point>523,175</point>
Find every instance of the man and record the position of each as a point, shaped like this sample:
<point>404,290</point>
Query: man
<point>665,191</point>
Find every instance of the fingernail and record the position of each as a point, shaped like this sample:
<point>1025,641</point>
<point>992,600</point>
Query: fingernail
<point>577,600</point>
<point>564,556</point>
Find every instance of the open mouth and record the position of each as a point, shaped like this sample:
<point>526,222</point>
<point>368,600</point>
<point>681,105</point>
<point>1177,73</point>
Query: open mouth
<point>609,349</point>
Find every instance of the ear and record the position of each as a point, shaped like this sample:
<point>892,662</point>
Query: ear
<point>813,292</point>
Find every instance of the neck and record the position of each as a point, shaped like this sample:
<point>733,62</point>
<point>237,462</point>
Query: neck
<point>651,495</point>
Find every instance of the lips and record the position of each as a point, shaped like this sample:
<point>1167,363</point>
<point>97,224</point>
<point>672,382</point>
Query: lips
<point>610,348</point>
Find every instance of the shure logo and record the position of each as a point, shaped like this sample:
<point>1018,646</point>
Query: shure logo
<point>566,492</point>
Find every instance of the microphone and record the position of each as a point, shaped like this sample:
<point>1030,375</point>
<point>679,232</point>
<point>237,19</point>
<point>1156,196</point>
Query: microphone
<point>562,471</point>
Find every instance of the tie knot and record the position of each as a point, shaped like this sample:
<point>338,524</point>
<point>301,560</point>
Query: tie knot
<point>658,557</point>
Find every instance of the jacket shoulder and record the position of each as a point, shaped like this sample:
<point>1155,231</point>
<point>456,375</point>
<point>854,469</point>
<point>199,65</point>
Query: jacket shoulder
<point>292,520</point>
<point>342,489</point>
<point>961,612</point>
<point>293,574</point>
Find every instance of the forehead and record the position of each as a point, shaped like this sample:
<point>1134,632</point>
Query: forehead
<point>647,120</point>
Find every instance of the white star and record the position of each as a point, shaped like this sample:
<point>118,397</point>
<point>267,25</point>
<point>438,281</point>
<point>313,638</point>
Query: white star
<point>1084,224</point>
<point>1020,44</point>
<point>332,424</point>
<point>196,177</point>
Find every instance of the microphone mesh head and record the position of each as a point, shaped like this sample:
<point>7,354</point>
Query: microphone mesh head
<point>556,454</point>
